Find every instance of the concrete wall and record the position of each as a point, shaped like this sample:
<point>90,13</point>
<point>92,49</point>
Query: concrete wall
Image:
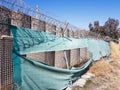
<point>62,59</point>
<point>55,58</point>
<point>5,18</point>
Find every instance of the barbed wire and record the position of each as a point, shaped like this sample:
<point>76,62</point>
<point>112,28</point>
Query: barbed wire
<point>20,6</point>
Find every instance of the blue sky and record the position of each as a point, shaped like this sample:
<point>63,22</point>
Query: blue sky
<point>79,12</point>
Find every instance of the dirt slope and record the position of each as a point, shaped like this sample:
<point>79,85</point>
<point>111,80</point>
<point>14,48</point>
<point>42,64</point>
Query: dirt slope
<point>107,74</point>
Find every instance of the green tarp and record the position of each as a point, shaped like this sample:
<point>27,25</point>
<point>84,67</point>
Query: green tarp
<point>33,75</point>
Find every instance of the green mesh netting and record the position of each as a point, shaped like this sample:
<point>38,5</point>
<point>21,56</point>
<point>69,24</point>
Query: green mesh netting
<point>33,75</point>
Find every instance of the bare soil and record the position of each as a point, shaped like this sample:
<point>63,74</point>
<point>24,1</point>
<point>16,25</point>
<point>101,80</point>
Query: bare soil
<point>107,76</point>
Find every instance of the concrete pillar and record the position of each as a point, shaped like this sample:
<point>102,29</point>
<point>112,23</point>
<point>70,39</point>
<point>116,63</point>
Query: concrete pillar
<point>16,18</point>
<point>20,19</point>
<point>50,56</point>
<point>5,18</point>
<point>26,21</point>
<point>59,55</point>
<point>36,24</point>
<point>74,53</point>
<point>84,56</point>
<point>66,34</point>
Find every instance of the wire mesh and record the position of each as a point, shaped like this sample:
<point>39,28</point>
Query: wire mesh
<point>6,69</point>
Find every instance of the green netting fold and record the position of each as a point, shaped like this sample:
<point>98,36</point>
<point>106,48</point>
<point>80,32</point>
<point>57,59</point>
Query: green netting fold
<point>33,75</point>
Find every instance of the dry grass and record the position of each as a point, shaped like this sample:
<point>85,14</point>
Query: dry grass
<point>115,50</point>
<point>107,75</point>
<point>101,68</point>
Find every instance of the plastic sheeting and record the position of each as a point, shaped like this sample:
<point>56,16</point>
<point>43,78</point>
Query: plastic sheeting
<point>33,75</point>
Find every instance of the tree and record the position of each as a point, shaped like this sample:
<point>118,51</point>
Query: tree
<point>91,27</point>
<point>110,28</point>
<point>96,26</point>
